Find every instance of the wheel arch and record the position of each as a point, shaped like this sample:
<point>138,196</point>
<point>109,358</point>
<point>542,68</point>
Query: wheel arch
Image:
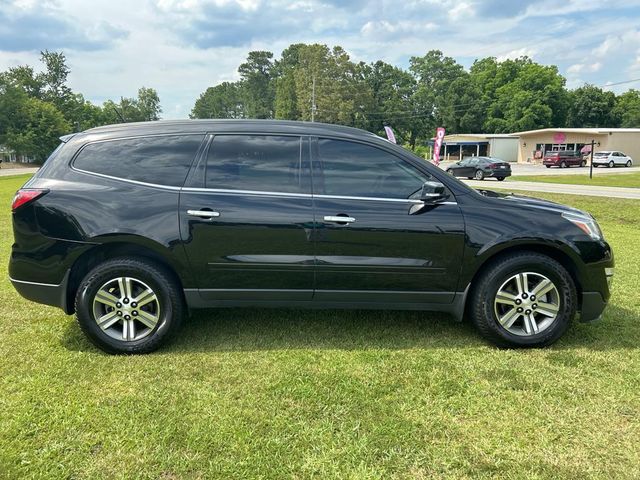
<point>114,249</point>
<point>562,257</point>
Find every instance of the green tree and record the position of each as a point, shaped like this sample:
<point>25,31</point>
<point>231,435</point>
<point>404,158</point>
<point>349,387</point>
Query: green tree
<point>591,106</point>
<point>148,104</point>
<point>35,128</point>
<point>627,109</point>
<point>256,86</point>
<point>392,91</point>
<point>221,101</point>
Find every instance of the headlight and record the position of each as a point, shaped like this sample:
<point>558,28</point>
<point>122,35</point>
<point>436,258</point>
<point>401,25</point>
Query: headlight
<point>587,224</point>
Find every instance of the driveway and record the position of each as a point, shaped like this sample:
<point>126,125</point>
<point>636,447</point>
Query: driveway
<point>6,172</point>
<point>529,169</point>
<point>588,190</point>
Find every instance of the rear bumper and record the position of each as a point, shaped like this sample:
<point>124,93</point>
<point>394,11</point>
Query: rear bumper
<point>498,173</point>
<point>46,293</point>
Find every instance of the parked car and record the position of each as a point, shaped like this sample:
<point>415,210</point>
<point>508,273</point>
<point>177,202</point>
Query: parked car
<point>481,168</point>
<point>132,226</point>
<point>563,159</point>
<point>611,159</point>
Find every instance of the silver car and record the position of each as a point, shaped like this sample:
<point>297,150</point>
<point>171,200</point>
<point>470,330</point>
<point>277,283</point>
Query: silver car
<point>611,159</point>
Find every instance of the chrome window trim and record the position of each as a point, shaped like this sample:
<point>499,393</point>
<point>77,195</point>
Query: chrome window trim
<point>127,180</point>
<point>303,195</point>
<point>218,191</point>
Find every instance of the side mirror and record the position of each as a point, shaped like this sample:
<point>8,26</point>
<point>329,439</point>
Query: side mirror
<point>433,192</point>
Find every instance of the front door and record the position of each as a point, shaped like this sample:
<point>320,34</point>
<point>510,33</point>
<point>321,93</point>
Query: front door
<point>246,219</point>
<point>371,245</point>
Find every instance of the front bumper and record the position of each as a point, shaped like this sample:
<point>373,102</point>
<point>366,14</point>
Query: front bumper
<point>593,303</point>
<point>46,293</point>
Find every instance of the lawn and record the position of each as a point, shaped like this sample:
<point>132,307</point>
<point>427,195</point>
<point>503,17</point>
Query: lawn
<point>325,394</point>
<point>606,180</point>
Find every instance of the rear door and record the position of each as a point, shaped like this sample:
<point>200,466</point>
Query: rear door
<point>246,219</point>
<point>369,246</point>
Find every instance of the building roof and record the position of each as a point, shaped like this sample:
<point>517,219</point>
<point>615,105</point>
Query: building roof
<point>590,131</point>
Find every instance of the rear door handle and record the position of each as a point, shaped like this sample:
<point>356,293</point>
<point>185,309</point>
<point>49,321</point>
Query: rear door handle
<point>203,213</point>
<point>338,219</point>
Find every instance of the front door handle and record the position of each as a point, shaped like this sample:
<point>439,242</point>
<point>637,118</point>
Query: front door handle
<point>338,219</point>
<point>203,213</point>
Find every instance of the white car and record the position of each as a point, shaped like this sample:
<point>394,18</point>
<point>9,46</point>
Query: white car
<point>611,159</point>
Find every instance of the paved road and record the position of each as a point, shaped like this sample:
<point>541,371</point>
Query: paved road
<point>5,172</point>
<point>528,169</point>
<point>589,190</point>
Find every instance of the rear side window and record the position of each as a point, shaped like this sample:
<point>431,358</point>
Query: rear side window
<point>268,163</point>
<point>355,169</point>
<point>162,160</point>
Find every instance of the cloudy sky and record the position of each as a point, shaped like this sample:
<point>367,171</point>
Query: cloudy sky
<point>180,47</point>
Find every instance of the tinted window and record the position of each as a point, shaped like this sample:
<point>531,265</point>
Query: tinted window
<point>354,169</point>
<point>161,160</point>
<point>256,162</point>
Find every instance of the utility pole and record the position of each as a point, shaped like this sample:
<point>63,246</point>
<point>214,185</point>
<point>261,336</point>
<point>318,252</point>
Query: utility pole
<point>313,99</point>
<point>593,142</point>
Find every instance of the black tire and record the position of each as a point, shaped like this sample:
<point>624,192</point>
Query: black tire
<point>548,166</point>
<point>486,286</point>
<point>563,165</point>
<point>628,164</point>
<point>611,164</point>
<point>450,171</point>
<point>595,165</point>
<point>500,179</point>
<point>479,175</point>
<point>169,296</point>
<point>583,163</point>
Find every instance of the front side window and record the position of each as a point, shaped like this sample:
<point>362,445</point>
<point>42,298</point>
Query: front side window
<point>355,169</point>
<point>257,162</point>
<point>161,160</point>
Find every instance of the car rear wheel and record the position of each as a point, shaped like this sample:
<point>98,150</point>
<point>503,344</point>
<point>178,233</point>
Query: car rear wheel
<point>611,164</point>
<point>583,163</point>
<point>548,166</point>
<point>628,164</point>
<point>563,164</point>
<point>500,179</point>
<point>479,175</point>
<point>523,300</point>
<point>127,305</point>
<point>450,171</point>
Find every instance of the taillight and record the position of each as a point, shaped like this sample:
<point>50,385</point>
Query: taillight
<point>493,165</point>
<point>26,195</point>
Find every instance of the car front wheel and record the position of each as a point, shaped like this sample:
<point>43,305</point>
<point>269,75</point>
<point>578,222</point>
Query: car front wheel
<point>450,171</point>
<point>563,165</point>
<point>611,164</point>
<point>628,164</point>
<point>523,300</point>
<point>129,305</point>
<point>479,175</point>
<point>500,179</point>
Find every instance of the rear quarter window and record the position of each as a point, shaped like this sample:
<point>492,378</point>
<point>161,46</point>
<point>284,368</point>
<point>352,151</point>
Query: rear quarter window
<point>161,160</point>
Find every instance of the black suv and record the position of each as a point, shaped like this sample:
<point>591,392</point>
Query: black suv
<point>131,225</point>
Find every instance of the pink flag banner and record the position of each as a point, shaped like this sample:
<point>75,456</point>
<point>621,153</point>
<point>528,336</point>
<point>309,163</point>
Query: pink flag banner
<point>437,144</point>
<point>390,136</point>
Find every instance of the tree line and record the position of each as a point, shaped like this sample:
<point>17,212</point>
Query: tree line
<point>37,108</point>
<point>315,81</point>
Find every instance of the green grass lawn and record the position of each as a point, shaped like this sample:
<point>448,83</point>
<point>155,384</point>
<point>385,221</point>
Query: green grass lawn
<point>325,394</point>
<point>600,180</point>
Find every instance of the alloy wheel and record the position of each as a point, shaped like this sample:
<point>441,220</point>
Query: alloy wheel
<point>479,175</point>
<point>527,303</point>
<point>126,309</point>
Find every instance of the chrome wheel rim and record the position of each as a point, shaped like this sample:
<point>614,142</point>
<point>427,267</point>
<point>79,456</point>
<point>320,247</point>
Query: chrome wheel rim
<point>126,309</point>
<point>527,304</point>
<point>479,175</point>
